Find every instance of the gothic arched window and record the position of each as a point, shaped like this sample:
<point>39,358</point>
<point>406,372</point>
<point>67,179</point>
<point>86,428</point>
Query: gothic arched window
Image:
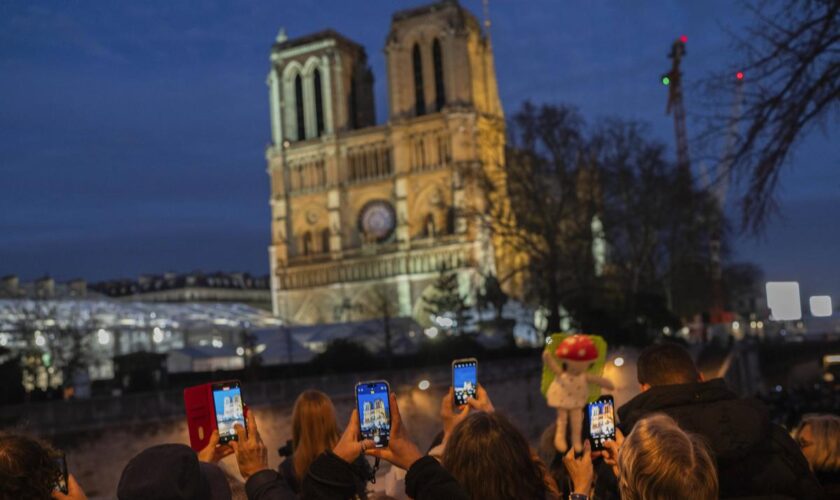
<point>319,103</point>
<point>301,126</point>
<point>440,92</point>
<point>325,241</point>
<point>307,243</point>
<point>430,230</point>
<point>419,98</point>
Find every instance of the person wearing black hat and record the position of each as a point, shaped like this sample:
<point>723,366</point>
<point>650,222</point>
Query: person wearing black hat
<point>171,472</point>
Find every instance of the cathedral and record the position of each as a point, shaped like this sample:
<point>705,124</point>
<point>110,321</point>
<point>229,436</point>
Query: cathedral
<point>367,216</point>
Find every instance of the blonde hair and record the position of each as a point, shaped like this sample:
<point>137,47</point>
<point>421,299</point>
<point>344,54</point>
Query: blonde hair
<point>826,432</point>
<point>314,429</point>
<point>658,460</point>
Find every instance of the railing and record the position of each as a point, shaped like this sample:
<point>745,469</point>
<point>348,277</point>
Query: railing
<point>60,417</point>
<point>425,261</point>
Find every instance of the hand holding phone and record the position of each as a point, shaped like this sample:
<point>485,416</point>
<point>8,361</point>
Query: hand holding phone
<point>373,404</point>
<point>227,403</point>
<point>61,483</point>
<point>600,420</point>
<point>464,379</point>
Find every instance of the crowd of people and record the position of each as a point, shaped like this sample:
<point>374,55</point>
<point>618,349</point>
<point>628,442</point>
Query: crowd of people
<point>681,437</point>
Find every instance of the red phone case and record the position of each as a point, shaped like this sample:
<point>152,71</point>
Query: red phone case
<point>201,417</point>
<point>201,414</point>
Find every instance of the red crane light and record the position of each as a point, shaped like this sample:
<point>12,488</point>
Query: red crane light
<point>684,39</point>
<point>739,75</point>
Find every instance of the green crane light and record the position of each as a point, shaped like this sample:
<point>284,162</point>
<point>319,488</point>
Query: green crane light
<point>666,80</point>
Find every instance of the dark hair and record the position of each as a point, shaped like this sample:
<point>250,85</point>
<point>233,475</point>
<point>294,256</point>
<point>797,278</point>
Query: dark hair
<point>491,459</point>
<point>28,470</point>
<point>666,364</point>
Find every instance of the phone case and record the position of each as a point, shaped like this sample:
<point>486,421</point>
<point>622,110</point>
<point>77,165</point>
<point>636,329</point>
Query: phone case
<point>201,417</point>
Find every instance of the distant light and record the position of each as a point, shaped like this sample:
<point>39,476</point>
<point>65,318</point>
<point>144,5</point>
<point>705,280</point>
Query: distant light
<point>685,331</point>
<point>217,343</point>
<point>103,337</point>
<point>666,330</point>
<point>783,300</point>
<point>445,322</point>
<point>3,340</point>
<point>260,348</point>
<point>240,351</point>
<point>619,361</point>
<point>753,324</point>
<point>820,306</point>
<point>739,75</point>
<point>828,377</point>
<point>548,340</point>
<point>152,315</point>
<point>736,325</point>
<point>831,359</point>
<point>760,324</point>
<point>40,340</point>
<point>666,80</point>
<point>431,332</point>
<point>424,385</point>
<point>157,335</point>
<point>684,39</point>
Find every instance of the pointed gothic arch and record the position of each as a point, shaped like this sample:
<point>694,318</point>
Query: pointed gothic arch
<point>419,96</point>
<point>319,102</point>
<point>299,116</point>
<point>440,90</point>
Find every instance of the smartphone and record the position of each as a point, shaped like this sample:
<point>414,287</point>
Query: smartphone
<point>227,403</point>
<point>600,421</point>
<point>464,379</point>
<point>61,483</point>
<point>373,403</point>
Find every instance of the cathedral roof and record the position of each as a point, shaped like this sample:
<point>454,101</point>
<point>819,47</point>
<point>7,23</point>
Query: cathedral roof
<point>314,37</point>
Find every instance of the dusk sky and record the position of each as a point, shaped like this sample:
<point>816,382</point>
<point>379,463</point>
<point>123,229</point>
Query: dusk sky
<point>132,134</point>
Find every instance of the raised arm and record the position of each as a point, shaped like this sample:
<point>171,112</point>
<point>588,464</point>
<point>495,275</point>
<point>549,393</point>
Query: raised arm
<point>602,381</point>
<point>552,363</point>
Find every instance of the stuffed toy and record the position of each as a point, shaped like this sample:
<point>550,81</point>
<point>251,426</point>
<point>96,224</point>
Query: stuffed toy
<point>572,365</point>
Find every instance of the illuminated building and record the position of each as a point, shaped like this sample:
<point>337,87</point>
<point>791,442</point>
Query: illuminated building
<point>358,207</point>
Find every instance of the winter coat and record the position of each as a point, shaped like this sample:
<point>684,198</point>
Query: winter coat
<point>754,456</point>
<point>331,478</point>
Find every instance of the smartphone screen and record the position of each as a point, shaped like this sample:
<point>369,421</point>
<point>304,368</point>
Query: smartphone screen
<point>61,484</point>
<point>601,417</point>
<point>374,411</point>
<point>227,401</point>
<point>464,379</point>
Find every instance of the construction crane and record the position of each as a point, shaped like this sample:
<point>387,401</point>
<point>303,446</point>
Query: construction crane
<point>673,80</point>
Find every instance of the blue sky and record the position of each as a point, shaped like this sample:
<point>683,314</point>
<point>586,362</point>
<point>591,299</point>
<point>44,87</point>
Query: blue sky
<point>133,132</point>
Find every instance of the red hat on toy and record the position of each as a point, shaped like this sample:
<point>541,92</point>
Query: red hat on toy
<point>577,348</point>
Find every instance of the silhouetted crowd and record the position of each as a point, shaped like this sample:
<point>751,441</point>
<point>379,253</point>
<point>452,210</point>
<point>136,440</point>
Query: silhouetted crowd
<point>681,438</point>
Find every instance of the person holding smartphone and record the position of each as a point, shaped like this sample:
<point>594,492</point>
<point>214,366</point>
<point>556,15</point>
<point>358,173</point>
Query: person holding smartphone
<point>32,469</point>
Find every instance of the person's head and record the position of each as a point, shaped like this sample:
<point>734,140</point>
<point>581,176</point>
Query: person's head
<point>172,472</point>
<point>314,429</point>
<point>819,438</point>
<point>28,468</point>
<point>658,460</point>
<point>666,364</point>
<point>492,460</point>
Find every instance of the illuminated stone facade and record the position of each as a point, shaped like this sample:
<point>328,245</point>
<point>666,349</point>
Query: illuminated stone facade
<point>359,209</point>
